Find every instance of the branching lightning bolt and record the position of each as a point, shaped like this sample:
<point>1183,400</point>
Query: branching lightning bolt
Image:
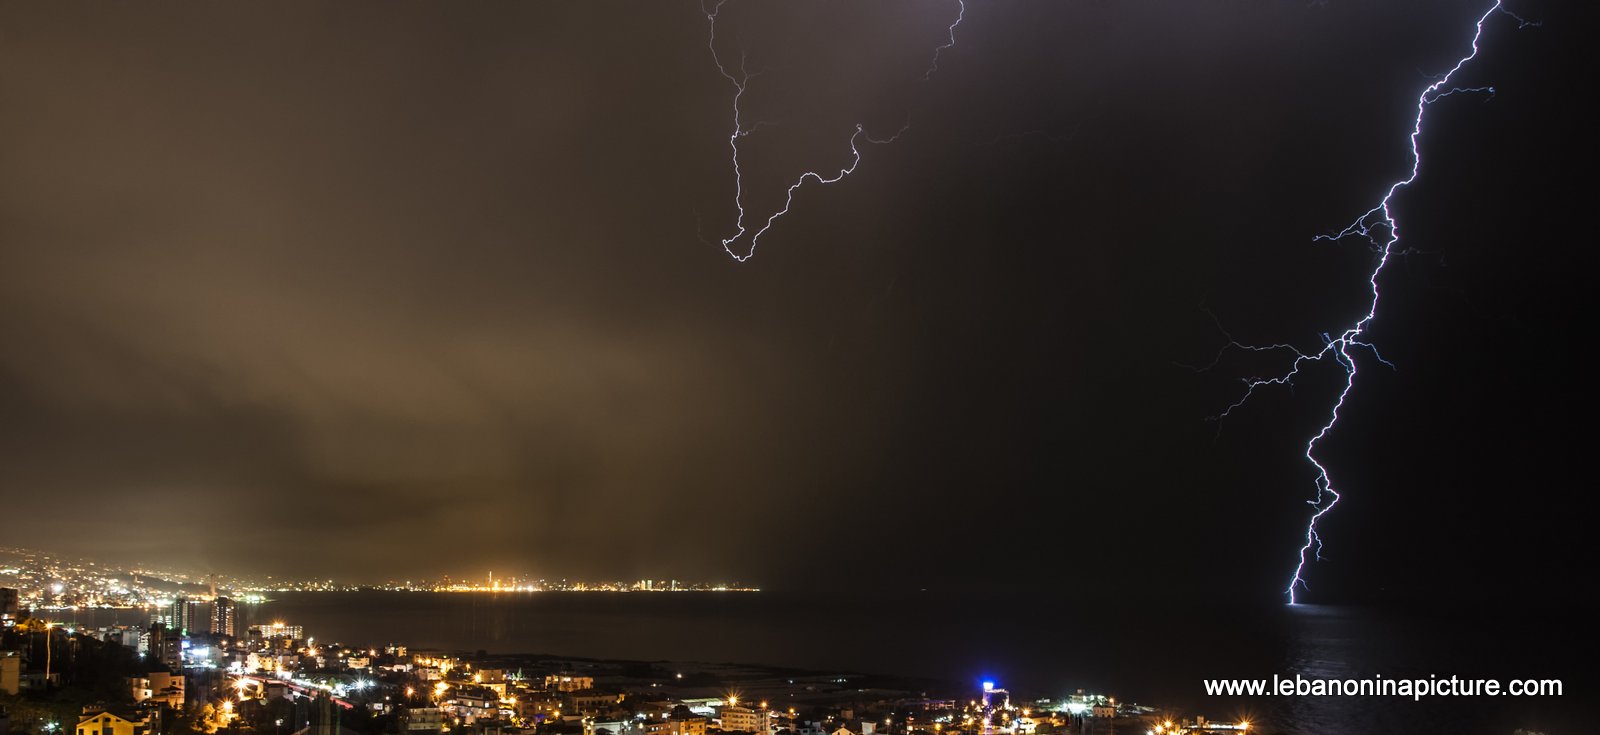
<point>1378,227</point>
<point>741,83</point>
<point>950,39</point>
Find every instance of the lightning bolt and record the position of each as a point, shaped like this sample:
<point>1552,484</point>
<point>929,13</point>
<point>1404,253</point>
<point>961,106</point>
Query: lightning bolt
<point>741,83</point>
<point>1378,227</point>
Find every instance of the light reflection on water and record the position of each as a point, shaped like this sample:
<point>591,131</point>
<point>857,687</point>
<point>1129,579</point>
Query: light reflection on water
<point>1360,643</point>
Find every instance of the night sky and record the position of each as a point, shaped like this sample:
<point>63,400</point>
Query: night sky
<point>377,290</point>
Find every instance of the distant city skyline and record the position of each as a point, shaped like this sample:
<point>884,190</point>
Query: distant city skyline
<point>49,582</point>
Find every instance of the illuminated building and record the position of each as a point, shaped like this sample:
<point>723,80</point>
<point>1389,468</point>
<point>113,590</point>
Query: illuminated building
<point>417,720</point>
<point>566,682</point>
<point>278,634</point>
<point>590,701</point>
<point>688,725</point>
<point>224,617</point>
<point>185,615</point>
<point>533,706</point>
<point>995,699</point>
<point>278,630</point>
<point>158,686</point>
<point>106,722</point>
<point>474,703</point>
<point>124,635</point>
<point>166,646</point>
<point>491,679</point>
<point>490,676</point>
<point>745,719</point>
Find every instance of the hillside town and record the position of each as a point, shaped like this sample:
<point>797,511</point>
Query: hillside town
<point>194,669</point>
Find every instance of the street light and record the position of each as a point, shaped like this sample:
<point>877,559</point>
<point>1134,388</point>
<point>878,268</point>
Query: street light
<point>47,628</point>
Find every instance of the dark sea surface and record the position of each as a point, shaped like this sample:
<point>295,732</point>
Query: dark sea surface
<point>1156,655</point>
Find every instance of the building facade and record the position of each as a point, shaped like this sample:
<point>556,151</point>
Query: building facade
<point>10,672</point>
<point>160,687</point>
<point>224,617</point>
<point>737,718</point>
<point>106,722</point>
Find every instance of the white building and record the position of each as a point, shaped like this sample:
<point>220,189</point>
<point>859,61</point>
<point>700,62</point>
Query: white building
<point>745,719</point>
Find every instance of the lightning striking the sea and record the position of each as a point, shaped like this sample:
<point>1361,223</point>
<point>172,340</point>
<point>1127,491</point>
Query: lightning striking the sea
<point>741,83</point>
<point>1379,227</point>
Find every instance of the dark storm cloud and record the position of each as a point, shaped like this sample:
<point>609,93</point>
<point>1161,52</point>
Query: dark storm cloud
<point>347,278</point>
<point>384,290</point>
